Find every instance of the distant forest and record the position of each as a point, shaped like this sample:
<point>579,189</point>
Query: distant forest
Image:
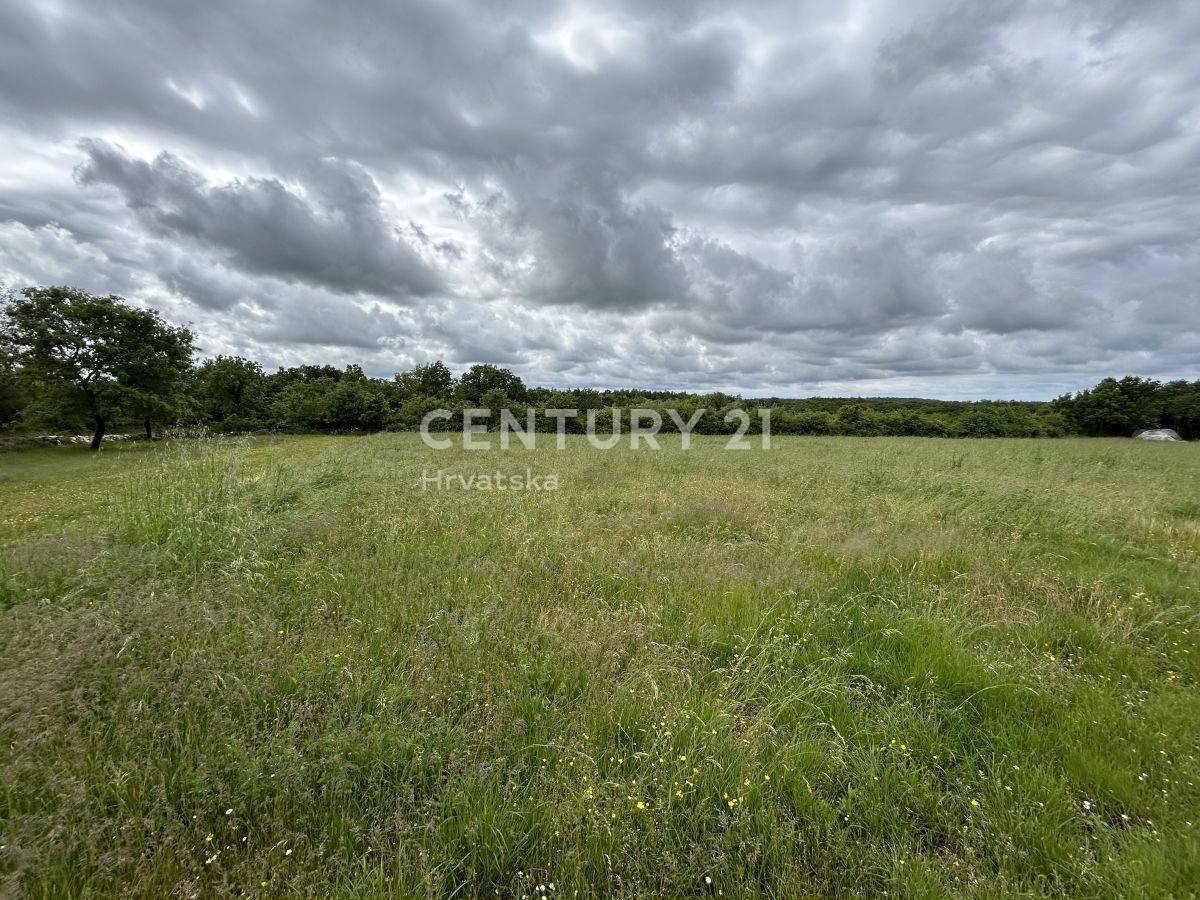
<point>74,363</point>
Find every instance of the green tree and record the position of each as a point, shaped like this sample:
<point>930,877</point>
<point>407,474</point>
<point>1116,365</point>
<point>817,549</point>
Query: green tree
<point>231,391</point>
<point>155,372</point>
<point>1181,408</point>
<point>1116,408</point>
<point>432,380</point>
<point>480,379</point>
<point>303,405</point>
<point>96,356</point>
<point>12,398</point>
<point>355,403</point>
<point>495,400</point>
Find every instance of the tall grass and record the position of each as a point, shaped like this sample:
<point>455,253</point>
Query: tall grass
<point>843,667</point>
<point>193,507</point>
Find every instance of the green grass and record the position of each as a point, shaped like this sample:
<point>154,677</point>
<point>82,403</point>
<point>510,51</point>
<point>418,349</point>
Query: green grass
<point>842,666</point>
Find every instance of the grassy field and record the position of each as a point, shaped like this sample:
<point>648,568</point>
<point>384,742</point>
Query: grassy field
<point>842,666</point>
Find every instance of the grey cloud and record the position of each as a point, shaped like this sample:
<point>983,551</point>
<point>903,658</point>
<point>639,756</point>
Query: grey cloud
<point>340,240</point>
<point>198,281</point>
<point>51,254</point>
<point>997,291</point>
<point>556,239</point>
<point>958,42</point>
<point>326,323</point>
<point>868,283</point>
<point>272,311</point>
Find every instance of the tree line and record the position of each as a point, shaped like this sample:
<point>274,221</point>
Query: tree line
<point>72,361</point>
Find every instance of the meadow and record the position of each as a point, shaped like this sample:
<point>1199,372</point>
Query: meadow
<point>843,666</point>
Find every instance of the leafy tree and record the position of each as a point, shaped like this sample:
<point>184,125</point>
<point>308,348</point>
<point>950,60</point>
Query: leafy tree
<point>156,371</point>
<point>982,422</point>
<point>303,405</point>
<point>858,419</point>
<point>231,391</point>
<point>480,379</point>
<point>96,356</point>
<point>301,374</point>
<point>812,423</point>
<point>1181,408</point>
<point>354,404</point>
<point>13,399</point>
<point>432,380</point>
<point>495,400</point>
<point>412,410</point>
<point>583,399</point>
<point>1112,407</point>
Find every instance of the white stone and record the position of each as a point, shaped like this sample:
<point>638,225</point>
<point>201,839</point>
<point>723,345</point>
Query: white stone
<point>1158,434</point>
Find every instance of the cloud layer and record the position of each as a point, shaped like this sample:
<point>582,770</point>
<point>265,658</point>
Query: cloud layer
<point>888,197</point>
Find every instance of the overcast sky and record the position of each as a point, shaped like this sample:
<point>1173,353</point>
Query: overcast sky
<point>992,199</point>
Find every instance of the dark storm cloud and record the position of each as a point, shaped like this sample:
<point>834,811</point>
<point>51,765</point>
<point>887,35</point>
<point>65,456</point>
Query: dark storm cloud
<point>966,197</point>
